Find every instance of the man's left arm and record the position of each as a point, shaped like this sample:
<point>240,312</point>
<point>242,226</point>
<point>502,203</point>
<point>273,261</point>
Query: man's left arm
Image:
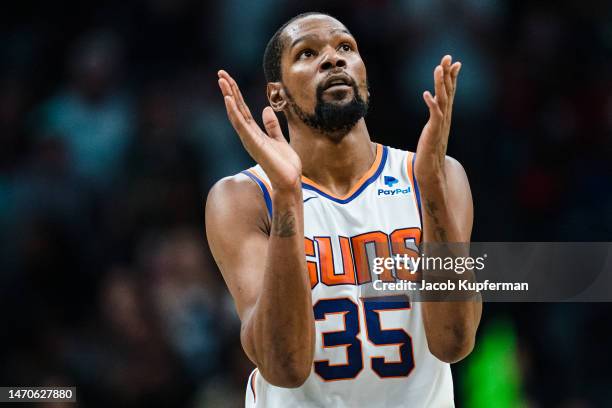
<point>447,212</point>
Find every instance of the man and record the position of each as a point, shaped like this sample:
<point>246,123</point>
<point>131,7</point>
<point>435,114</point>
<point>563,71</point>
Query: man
<point>294,234</point>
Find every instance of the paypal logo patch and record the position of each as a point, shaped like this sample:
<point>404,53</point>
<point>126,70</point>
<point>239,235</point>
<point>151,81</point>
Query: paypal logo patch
<point>391,181</point>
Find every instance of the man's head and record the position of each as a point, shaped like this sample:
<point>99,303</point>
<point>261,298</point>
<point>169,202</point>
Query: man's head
<point>316,75</point>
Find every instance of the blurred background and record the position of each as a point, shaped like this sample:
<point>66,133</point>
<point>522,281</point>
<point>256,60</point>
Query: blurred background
<point>113,130</point>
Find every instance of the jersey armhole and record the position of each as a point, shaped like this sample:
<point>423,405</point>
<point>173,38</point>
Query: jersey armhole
<point>252,385</point>
<point>413,181</point>
<point>263,186</point>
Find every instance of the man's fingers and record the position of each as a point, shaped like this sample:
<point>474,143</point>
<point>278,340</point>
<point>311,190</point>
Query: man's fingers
<point>242,106</point>
<point>223,74</point>
<point>251,138</point>
<point>226,90</point>
<point>240,100</point>
<point>441,97</point>
<point>455,69</point>
<point>448,82</point>
<point>435,134</point>
<point>434,110</point>
<point>455,73</point>
<point>234,115</point>
<point>271,124</point>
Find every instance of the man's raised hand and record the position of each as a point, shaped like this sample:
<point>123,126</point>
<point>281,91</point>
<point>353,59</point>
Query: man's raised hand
<point>431,149</point>
<point>271,151</point>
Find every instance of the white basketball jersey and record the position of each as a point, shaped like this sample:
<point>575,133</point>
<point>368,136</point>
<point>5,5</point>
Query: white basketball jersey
<point>370,351</point>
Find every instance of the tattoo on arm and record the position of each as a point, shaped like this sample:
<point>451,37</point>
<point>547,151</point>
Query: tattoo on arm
<point>431,208</point>
<point>283,225</point>
<point>441,234</point>
<point>439,231</point>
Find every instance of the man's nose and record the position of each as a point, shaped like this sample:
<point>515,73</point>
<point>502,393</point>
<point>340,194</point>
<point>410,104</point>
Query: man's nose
<point>332,60</point>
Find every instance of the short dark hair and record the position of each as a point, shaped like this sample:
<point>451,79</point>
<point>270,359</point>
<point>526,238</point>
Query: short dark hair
<point>275,47</point>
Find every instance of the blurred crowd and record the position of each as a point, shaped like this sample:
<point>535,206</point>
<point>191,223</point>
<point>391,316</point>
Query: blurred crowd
<point>112,131</point>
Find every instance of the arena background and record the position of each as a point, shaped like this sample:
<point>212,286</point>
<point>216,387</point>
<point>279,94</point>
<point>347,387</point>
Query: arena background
<point>112,131</point>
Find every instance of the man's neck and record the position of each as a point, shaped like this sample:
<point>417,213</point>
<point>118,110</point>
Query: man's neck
<point>335,164</point>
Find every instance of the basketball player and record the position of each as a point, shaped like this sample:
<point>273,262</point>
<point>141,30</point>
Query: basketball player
<point>293,235</point>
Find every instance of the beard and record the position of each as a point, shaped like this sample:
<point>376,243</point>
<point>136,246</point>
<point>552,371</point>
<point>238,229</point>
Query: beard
<point>332,117</point>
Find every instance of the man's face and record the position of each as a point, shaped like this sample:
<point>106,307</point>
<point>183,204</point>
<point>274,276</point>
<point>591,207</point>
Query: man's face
<point>323,75</point>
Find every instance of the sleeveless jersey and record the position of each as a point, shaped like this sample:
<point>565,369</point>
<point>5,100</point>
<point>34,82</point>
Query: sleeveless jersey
<point>370,351</point>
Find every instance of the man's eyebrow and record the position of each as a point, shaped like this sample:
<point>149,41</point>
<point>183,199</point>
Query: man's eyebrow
<point>342,30</point>
<point>302,38</point>
<point>312,36</point>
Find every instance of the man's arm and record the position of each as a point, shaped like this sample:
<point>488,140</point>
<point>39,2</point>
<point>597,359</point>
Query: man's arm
<point>263,265</point>
<point>447,218</point>
<point>266,276</point>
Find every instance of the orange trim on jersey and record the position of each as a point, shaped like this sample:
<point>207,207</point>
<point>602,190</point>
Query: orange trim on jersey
<point>410,170</point>
<point>263,186</point>
<point>409,166</point>
<point>252,378</point>
<point>363,179</point>
<point>263,180</point>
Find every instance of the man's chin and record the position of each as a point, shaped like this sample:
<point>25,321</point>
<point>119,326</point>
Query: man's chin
<point>338,97</point>
<point>335,112</point>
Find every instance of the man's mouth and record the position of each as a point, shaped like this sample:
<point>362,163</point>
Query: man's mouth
<point>337,87</point>
<point>337,83</point>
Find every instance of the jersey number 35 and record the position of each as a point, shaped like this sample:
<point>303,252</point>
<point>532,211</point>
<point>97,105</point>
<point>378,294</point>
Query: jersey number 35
<point>372,308</point>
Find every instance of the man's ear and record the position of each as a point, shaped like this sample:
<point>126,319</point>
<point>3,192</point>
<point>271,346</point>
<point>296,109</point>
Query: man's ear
<point>276,96</point>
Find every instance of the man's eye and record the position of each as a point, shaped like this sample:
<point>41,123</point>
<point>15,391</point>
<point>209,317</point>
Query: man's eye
<point>346,47</point>
<point>306,54</point>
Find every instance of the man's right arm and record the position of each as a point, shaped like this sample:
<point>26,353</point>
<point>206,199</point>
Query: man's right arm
<point>264,267</point>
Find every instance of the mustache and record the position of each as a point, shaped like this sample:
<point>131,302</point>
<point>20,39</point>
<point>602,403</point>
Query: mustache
<point>322,87</point>
<point>324,84</point>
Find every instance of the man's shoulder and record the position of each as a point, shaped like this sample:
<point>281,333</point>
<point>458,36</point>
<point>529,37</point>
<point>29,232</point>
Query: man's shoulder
<point>454,169</point>
<point>237,186</point>
<point>236,200</point>
<point>247,190</point>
